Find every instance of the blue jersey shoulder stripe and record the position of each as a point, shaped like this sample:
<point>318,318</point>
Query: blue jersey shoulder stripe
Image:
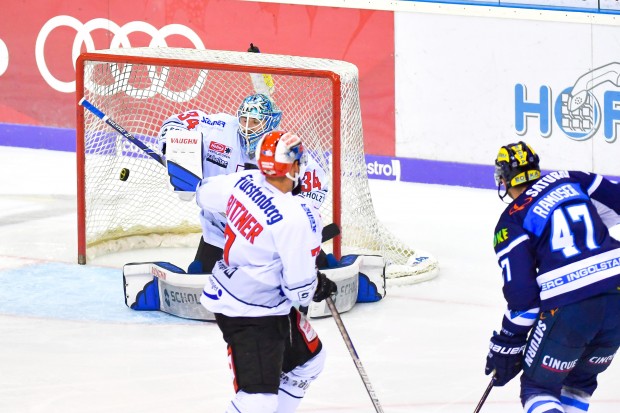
<point>512,245</point>
<point>595,184</point>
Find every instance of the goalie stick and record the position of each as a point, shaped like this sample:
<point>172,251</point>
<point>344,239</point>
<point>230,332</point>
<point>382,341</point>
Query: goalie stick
<point>329,232</point>
<point>262,84</point>
<point>354,356</point>
<point>97,112</point>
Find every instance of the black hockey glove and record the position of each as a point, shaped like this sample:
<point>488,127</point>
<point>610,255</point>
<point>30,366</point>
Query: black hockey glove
<point>324,287</point>
<point>505,357</point>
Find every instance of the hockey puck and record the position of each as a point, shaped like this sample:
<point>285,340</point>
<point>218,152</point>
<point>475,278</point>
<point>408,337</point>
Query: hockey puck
<point>124,174</point>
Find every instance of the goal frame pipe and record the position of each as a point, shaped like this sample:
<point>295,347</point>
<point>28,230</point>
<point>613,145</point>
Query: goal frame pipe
<point>231,67</point>
<point>80,156</point>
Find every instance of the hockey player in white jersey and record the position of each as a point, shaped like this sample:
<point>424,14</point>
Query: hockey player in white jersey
<point>199,145</point>
<point>268,264</point>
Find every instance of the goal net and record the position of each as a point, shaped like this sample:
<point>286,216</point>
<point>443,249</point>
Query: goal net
<point>139,88</point>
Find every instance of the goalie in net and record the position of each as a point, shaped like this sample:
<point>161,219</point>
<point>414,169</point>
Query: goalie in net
<point>199,146</point>
<point>143,87</point>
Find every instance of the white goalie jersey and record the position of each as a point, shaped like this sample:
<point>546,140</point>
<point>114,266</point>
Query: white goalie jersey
<point>217,144</point>
<point>272,240</point>
<point>209,145</point>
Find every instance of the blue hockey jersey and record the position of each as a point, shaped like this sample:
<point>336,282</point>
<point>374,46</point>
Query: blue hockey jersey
<point>553,245</point>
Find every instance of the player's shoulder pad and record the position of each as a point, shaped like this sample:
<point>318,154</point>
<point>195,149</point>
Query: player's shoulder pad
<point>219,119</point>
<point>506,230</point>
<point>582,176</point>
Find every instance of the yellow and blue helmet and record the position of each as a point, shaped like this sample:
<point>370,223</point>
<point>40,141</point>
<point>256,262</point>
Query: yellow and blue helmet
<point>516,164</point>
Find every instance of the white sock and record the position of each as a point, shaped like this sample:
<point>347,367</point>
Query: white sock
<point>543,403</point>
<point>253,403</point>
<point>575,401</point>
<point>293,385</point>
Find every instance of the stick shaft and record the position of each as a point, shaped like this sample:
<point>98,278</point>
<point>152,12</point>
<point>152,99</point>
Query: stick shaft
<point>484,397</point>
<point>97,112</point>
<point>354,356</point>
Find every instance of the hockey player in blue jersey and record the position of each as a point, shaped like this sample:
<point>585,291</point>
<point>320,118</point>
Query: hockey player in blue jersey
<point>561,275</point>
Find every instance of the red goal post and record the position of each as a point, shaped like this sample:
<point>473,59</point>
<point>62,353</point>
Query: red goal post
<point>139,88</point>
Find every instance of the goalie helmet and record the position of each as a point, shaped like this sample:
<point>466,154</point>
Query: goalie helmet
<point>277,153</point>
<point>516,164</point>
<point>257,115</point>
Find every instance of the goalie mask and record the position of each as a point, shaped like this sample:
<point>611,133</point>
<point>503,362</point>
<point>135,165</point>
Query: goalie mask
<point>516,164</point>
<point>277,153</point>
<point>257,116</point>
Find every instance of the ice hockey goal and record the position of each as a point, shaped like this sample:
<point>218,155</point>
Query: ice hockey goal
<point>141,87</point>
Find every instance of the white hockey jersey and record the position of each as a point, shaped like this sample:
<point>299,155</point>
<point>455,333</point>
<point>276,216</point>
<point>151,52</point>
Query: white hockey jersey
<point>272,240</point>
<point>223,154</point>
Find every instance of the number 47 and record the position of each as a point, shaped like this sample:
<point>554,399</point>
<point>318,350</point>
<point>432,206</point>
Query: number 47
<point>562,236</point>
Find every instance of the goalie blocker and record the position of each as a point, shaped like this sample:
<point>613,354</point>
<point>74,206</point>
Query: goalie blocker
<point>162,286</point>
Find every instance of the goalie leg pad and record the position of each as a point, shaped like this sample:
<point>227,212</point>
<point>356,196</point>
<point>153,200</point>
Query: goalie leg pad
<point>367,290</point>
<point>372,279</point>
<point>345,275</point>
<point>146,299</point>
<point>165,287</point>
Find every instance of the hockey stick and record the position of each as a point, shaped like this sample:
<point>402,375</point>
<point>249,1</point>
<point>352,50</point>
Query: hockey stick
<point>85,103</point>
<point>484,396</point>
<point>354,356</point>
<point>329,231</point>
<point>263,83</point>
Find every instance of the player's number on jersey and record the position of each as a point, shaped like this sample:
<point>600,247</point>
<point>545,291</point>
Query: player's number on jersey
<point>230,238</point>
<point>562,224</point>
<point>310,182</point>
<point>191,118</point>
<point>505,264</point>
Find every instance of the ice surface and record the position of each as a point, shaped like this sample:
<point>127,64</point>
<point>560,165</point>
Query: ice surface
<point>68,344</point>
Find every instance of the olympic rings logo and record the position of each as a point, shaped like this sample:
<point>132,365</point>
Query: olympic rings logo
<point>120,39</point>
<point>4,57</point>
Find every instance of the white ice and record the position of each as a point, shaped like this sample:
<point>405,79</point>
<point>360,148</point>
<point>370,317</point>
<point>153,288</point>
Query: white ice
<point>68,343</point>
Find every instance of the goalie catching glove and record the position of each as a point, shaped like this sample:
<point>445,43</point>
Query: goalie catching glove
<point>505,357</point>
<point>324,288</point>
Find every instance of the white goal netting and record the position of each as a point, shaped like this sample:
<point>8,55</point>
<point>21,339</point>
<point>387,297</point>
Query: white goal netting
<point>139,88</point>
